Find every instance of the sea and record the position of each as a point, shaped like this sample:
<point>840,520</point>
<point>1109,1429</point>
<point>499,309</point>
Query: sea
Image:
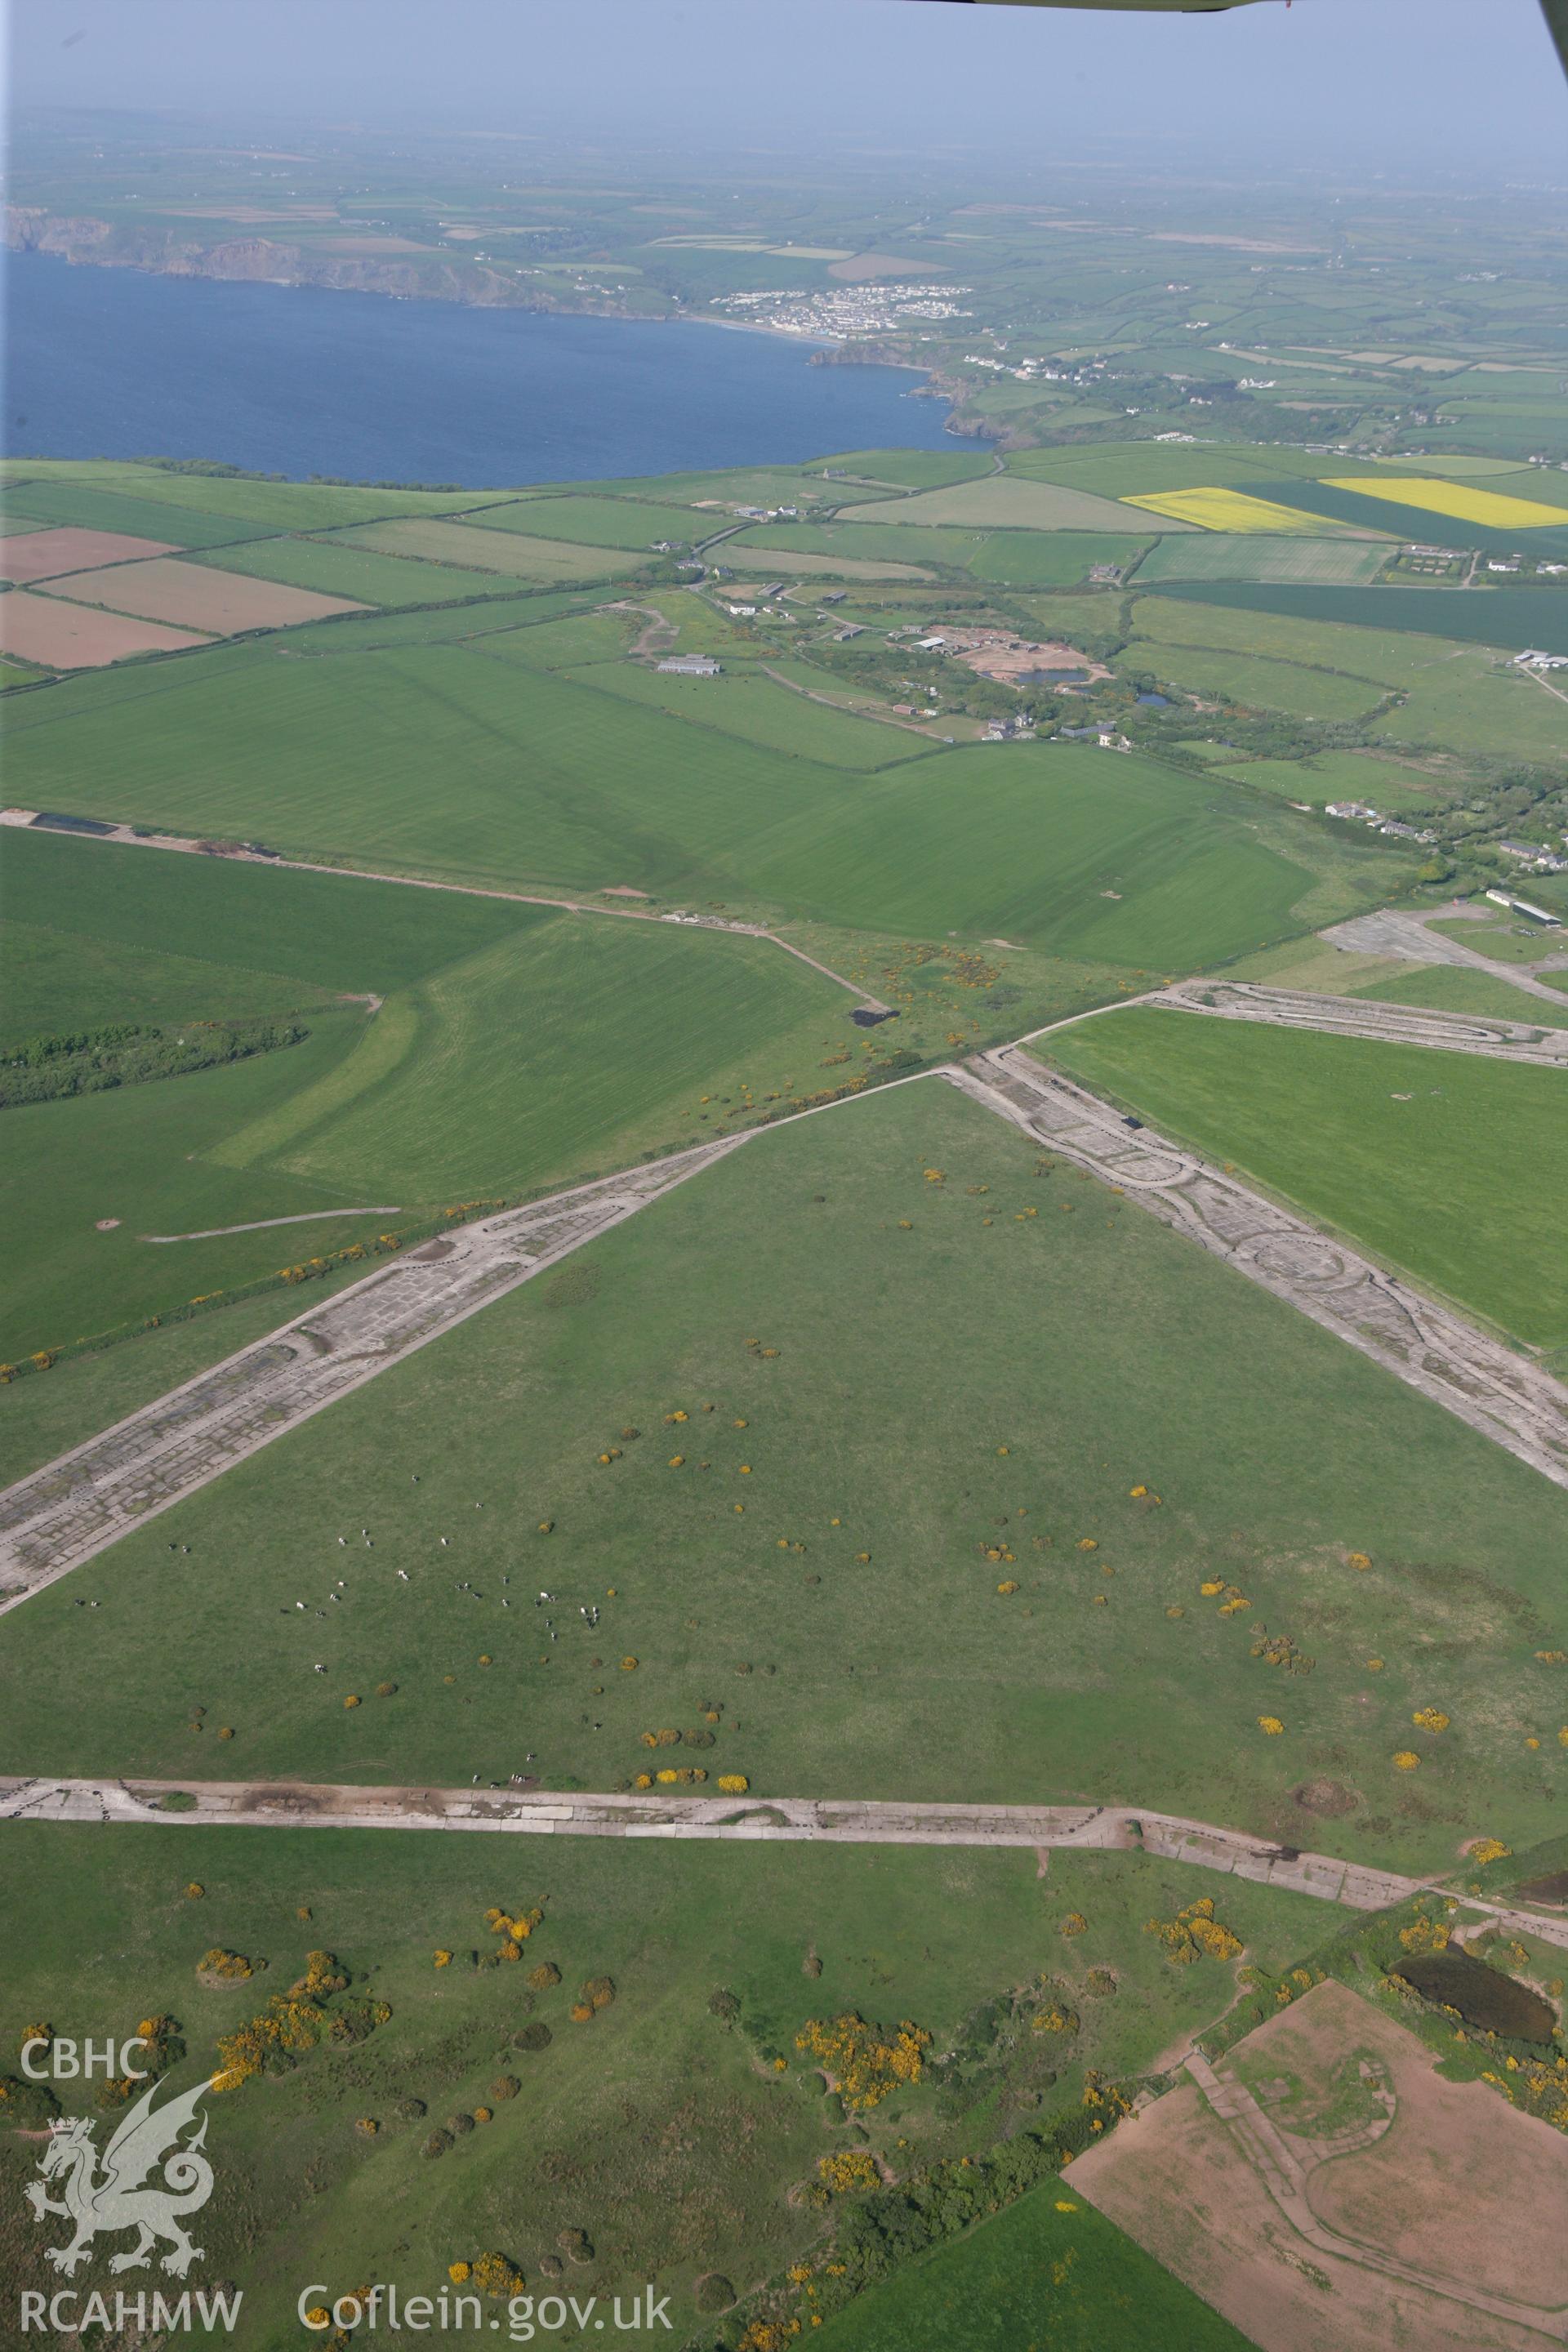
<point>299,381</point>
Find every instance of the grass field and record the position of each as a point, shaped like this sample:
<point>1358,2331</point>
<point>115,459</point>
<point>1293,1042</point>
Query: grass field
<point>749,704</point>
<point>1458,695</point>
<point>1447,1166</point>
<point>85,505</point>
<point>1004,502</point>
<point>41,1419</point>
<point>1184,875</point>
<point>1049,2270</point>
<point>1345,776</point>
<point>225,928</point>
<point>659,2130</point>
<point>1016,556</point>
<point>907,469</point>
<point>507,553</point>
<point>598,523</point>
<point>877,542</point>
<point>1250,679</point>
<point>1128,469</point>
<point>141,1155</point>
<point>558,784</point>
<point>1316,965</point>
<point>1511,618</point>
<point>1100,1350</point>
<point>565,1048</point>
<point>1042,558</point>
<point>1246,555</point>
<point>271,506</point>
<point>354,572</point>
<point>1522,942</point>
<point>760,562</point>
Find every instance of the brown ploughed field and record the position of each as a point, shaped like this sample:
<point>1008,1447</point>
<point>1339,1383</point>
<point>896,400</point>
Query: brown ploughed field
<point>58,635</point>
<point>1461,2187</point>
<point>45,554</point>
<point>221,603</point>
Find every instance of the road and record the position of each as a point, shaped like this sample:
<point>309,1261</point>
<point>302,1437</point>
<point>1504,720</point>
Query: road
<point>744,1820</point>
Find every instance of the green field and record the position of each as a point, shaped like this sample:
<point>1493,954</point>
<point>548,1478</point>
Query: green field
<point>42,1418</point>
<point>1010,503</point>
<point>224,927</point>
<point>353,572</point>
<point>1511,618</point>
<point>600,522</point>
<point>31,504</point>
<point>562,1050</point>
<point>1039,558</point>
<point>1254,681</point>
<point>1130,469</point>
<point>273,506</point>
<point>660,2130</point>
<point>1345,776</point>
<point>748,705</point>
<point>1049,2270</point>
<point>1099,1350</point>
<point>509,554</point>
<point>1322,969</point>
<point>516,1047</point>
<point>1445,1165</point>
<point>1504,940</point>
<point>908,469</point>
<point>873,542</point>
<point>552,783</point>
<point>1253,555</point>
<point>142,1155</point>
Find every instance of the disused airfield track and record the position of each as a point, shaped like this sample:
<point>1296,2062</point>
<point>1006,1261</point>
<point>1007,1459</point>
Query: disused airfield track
<point>1350,1017</point>
<point>1505,1396</point>
<point>814,1821</point>
<point>80,1504</point>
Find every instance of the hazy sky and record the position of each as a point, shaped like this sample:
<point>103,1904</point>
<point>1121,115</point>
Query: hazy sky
<point>1442,79</point>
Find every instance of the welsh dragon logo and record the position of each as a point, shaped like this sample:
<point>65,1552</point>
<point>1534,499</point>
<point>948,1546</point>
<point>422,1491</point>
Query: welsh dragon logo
<point>119,2198</point>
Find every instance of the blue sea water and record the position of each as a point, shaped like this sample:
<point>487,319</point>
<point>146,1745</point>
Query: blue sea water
<point>297,381</point>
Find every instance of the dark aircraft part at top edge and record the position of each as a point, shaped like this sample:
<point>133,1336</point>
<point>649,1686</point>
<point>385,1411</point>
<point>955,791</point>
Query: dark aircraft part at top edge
<point>1554,11</point>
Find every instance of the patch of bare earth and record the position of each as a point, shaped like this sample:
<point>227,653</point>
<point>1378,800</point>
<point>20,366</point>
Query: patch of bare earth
<point>1460,2186</point>
<point>45,554</point>
<point>58,635</point>
<point>195,595</point>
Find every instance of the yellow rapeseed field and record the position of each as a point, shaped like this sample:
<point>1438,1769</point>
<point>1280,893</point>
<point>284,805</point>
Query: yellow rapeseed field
<point>1219,509</point>
<point>1491,509</point>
